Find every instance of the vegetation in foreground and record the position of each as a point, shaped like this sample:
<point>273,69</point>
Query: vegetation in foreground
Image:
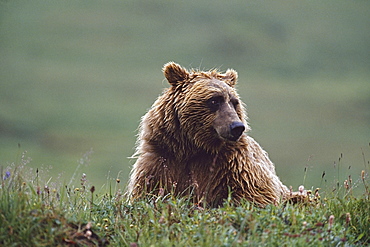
<point>38,212</point>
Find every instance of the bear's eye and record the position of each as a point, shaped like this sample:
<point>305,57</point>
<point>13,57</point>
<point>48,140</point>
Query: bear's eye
<point>214,103</point>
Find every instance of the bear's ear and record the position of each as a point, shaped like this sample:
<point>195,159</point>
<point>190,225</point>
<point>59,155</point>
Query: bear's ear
<point>232,76</point>
<point>174,73</point>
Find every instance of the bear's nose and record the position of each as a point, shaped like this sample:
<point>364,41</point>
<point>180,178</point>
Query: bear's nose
<point>236,130</point>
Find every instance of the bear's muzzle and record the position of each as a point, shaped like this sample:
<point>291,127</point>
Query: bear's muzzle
<point>236,130</point>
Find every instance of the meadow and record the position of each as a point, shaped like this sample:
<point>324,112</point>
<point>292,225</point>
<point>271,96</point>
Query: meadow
<point>76,76</point>
<point>39,212</point>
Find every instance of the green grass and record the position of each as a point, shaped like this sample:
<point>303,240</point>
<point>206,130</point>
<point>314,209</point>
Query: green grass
<point>36,210</point>
<point>77,75</point>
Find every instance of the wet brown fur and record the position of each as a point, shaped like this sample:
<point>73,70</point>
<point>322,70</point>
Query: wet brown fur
<point>180,150</point>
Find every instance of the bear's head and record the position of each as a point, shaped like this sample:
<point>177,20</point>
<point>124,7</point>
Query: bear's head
<point>208,108</point>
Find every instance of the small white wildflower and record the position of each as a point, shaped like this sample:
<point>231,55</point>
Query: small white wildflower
<point>301,189</point>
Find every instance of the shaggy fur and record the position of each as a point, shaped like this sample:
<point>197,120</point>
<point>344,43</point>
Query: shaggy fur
<point>192,141</point>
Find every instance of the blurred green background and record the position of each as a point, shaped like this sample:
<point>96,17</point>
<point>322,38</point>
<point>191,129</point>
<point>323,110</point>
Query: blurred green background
<point>77,75</point>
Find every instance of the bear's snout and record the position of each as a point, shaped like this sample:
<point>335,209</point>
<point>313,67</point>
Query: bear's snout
<point>236,130</point>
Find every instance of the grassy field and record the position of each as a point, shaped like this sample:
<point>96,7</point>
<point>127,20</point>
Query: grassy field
<point>76,76</point>
<point>39,212</point>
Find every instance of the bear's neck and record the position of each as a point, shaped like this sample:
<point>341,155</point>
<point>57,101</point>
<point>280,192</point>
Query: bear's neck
<point>185,152</point>
<point>175,149</point>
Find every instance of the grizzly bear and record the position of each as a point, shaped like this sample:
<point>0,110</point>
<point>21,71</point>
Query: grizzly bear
<point>193,141</point>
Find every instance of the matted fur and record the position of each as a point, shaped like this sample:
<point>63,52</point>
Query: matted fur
<point>183,147</point>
